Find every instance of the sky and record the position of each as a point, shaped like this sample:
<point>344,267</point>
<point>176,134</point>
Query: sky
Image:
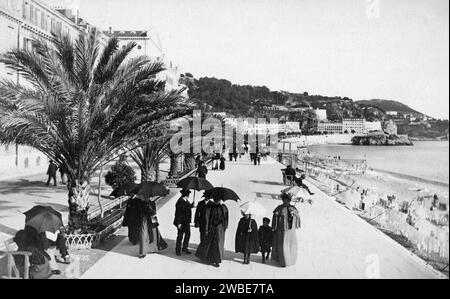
<point>361,49</point>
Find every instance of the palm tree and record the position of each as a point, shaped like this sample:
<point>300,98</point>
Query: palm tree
<point>151,154</point>
<point>81,106</point>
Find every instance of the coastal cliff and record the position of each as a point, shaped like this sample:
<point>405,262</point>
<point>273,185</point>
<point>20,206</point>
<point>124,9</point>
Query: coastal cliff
<point>382,140</point>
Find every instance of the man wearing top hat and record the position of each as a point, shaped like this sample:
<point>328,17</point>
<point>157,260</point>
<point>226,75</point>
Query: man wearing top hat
<point>183,217</point>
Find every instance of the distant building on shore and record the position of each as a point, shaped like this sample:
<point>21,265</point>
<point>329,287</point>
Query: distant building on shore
<point>329,128</point>
<point>354,126</point>
<point>373,126</point>
<point>390,127</point>
<point>392,113</point>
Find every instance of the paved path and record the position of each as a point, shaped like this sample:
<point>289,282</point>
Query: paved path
<point>333,242</point>
<point>21,194</point>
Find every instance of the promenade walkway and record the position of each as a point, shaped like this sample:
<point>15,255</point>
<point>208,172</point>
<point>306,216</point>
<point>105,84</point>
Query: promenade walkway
<point>333,242</point>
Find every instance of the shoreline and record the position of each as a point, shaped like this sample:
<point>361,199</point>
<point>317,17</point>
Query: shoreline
<point>411,178</point>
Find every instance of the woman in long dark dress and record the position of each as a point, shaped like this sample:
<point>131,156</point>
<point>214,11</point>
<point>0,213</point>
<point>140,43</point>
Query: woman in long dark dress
<point>132,220</point>
<point>222,163</point>
<point>216,223</point>
<point>286,220</point>
<point>247,241</point>
<point>150,240</point>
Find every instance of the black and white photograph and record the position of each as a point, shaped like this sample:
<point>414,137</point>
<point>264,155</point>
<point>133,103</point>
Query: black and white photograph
<point>234,144</point>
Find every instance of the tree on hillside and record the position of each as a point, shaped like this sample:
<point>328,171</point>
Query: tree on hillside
<point>83,104</point>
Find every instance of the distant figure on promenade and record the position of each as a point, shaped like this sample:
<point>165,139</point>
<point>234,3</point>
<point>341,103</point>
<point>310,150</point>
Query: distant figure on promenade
<point>202,170</point>
<point>265,235</point>
<point>230,156</point>
<point>198,158</point>
<point>222,162</point>
<point>286,220</point>
<point>51,172</point>
<point>216,223</point>
<point>258,158</point>
<point>200,218</point>
<point>150,240</point>
<point>182,221</point>
<point>247,241</point>
<point>215,161</point>
<point>63,173</point>
<point>131,219</point>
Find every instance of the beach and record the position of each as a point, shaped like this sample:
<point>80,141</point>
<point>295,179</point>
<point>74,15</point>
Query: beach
<point>401,171</point>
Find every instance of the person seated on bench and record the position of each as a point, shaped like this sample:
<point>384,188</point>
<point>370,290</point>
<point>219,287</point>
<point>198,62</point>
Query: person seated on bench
<point>298,179</point>
<point>57,241</point>
<point>29,240</point>
<point>290,173</point>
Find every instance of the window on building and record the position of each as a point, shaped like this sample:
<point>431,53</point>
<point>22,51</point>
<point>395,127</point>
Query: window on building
<point>25,10</point>
<point>27,44</point>
<point>37,16</point>
<point>26,163</point>
<point>43,21</point>
<point>31,14</point>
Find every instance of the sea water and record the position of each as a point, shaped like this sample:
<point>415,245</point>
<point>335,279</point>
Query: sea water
<point>428,160</point>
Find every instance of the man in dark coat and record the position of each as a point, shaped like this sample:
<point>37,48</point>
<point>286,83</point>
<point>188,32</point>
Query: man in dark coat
<point>199,218</point>
<point>216,223</point>
<point>289,173</point>
<point>183,217</point>
<point>63,173</point>
<point>51,172</point>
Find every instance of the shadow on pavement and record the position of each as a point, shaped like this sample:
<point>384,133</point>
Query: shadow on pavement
<point>7,230</point>
<point>5,205</point>
<point>128,250</point>
<point>269,183</point>
<point>272,196</point>
<point>33,188</point>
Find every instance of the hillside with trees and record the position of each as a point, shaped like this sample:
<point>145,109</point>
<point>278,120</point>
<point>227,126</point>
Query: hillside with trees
<point>212,94</point>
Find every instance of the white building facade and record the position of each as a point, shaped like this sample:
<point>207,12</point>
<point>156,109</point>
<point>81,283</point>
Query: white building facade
<point>145,45</point>
<point>329,128</point>
<point>22,21</point>
<point>354,126</point>
<point>373,126</point>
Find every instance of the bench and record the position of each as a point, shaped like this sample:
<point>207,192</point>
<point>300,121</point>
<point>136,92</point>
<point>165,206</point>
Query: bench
<point>12,272</point>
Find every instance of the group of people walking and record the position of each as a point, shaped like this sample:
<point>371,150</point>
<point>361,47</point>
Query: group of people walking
<point>212,220</point>
<point>52,170</point>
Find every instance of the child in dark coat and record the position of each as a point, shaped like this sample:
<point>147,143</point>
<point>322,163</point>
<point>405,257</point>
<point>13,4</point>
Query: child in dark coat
<point>247,237</point>
<point>265,235</point>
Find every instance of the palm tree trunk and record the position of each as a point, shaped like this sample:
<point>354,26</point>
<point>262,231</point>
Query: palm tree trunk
<point>145,174</point>
<point>78,205</point>
<point>189,161</point>
<point>157,174</point>
<point>173,165</point>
